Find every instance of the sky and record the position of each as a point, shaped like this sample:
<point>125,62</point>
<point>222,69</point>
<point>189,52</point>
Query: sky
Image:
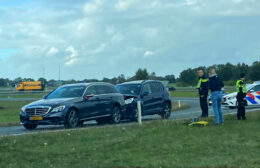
<point>105,38</point>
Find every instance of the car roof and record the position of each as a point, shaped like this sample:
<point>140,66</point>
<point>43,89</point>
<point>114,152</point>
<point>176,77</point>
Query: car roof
<point>86,84</point>
<point>138,82</point>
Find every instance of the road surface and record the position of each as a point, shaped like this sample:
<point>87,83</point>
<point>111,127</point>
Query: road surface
<point>192,112</point>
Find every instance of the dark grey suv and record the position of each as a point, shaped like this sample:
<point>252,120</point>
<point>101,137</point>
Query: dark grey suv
<point>154,96</point>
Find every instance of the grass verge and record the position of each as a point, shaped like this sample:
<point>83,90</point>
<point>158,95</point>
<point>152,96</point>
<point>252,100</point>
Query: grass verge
<point>155,144</point>
<point>9,112</point>
<point>22,95</point>
<point>184,94</point>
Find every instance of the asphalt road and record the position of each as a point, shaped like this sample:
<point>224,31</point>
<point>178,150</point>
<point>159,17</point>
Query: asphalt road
<point>192,112</point>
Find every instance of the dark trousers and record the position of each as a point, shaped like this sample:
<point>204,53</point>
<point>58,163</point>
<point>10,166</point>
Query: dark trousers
<point>204,106</point>
<point>241,111</point>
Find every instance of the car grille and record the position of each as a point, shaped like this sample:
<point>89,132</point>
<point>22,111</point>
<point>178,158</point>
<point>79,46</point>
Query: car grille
<point>37,111</point>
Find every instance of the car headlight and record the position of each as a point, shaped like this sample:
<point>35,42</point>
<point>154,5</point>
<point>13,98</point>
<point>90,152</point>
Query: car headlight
<point>230,98</point>
<point>58,109</point>
<point>128,101</point>
<point>23,109</point>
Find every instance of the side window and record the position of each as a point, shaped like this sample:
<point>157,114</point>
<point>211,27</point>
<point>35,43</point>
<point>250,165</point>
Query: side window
<point>109,89</point>
<point>156,87</point>
<point>147,88</point>
<point>100,89</point>
<point>91,90</point>
<point>256,88</point>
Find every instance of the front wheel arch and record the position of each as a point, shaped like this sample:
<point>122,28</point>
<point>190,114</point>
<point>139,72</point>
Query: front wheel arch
<point>114,120</point>
<point>66,124</point>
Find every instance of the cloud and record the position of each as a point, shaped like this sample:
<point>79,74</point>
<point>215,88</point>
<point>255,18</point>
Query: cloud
<point>123,5</point>
<point>94,6</point>
<point>148,53</point>
<point>72,58</point>
<point>52,51</point>
<point>108,38</point>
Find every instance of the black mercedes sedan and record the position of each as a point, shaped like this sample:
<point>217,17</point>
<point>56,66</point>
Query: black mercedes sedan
<point>73,104</point>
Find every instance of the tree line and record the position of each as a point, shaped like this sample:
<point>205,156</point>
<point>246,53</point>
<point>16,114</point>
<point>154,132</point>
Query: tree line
<point>228,72</point>
<point>141,74</point>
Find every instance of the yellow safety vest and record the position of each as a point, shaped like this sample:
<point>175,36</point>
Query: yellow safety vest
<point>238,85</point>
<point>200,81</point>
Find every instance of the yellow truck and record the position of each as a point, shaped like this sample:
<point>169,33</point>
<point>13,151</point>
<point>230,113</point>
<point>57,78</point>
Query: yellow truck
<point>30,86</point>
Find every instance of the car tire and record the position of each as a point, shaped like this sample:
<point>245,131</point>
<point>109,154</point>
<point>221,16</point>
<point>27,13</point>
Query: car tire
<point>115,115</point>
<point>134,116</point>
<point>72,120</point>
<point>166,114</point>
<point>30,126</point>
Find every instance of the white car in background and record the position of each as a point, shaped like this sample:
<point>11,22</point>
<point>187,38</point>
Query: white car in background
<point>252,97</point>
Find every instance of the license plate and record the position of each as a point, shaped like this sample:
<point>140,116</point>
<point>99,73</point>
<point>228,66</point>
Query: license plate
<point>36,118</point>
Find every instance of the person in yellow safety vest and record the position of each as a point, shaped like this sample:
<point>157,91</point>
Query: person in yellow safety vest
<point>241,84</point>
<point>241,97</point>
<point>203,89</point>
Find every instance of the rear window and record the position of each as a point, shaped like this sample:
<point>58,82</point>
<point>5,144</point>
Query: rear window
<point>156,87</point>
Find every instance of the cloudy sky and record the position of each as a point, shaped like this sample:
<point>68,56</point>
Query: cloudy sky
<point>106,38</point>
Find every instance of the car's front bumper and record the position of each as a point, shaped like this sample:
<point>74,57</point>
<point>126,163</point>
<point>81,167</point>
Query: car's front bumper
<point>130,108</point>
<point>48,119</point>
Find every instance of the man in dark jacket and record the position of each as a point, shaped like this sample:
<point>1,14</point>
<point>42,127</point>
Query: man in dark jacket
<point>215,86</point>
<point>202,87</point>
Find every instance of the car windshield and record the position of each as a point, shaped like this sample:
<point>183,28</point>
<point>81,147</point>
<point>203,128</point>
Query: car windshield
<point>131,89</point>
<point>67,92</point>
<point>249,86</point>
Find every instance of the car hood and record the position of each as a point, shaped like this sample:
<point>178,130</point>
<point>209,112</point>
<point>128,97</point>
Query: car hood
<point>49,102</point>
<point>231,94</point>
<point>128,96</point>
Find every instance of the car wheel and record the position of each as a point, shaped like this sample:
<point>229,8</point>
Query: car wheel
<point>30,126</point>
<point>72,120</point>
<point>116,115</point>
<point>102,121</point>
<point>166,114</point>
<point>134,116</point>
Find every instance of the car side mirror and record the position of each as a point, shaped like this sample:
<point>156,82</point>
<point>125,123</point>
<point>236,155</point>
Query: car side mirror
<point>145,93</point>
<point>252,90</point>
<point>45,96</point>
<point>87,97</point>
<point>171,89</point>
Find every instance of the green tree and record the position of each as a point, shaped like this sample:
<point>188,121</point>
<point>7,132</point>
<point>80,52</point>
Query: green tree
<point>141,74</point>
<point>255,71</point>
<point>170,78</point>
<point>43,80</point>
<point>188,77</point>
<point>121,78</point>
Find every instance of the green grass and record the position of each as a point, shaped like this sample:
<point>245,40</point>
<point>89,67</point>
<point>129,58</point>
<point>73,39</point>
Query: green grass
<point>184,94</point>
<point>23,95</point>
<point>156,144</point>
<point>9,112</point>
